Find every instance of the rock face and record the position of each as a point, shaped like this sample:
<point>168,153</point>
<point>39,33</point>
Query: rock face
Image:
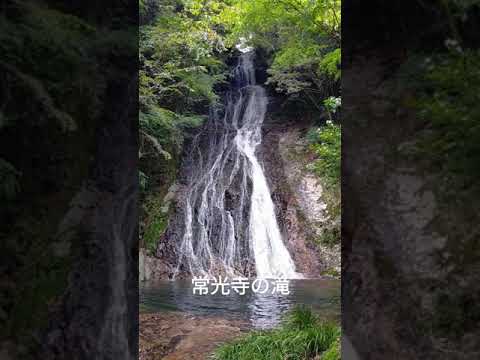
<point>179,336</point>
<point>301,208</point>
<point>94,318</point>
<point>301,204</point>
<point>409,289</point>
<point>166,251</point>
<point>300,198</point>
<point>151,267</point>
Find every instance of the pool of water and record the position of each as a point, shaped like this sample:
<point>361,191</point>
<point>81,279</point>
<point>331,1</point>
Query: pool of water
<point>261,310</point>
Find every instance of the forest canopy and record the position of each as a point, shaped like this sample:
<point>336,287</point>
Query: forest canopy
<point>187,50</point>
<point>185,46</point>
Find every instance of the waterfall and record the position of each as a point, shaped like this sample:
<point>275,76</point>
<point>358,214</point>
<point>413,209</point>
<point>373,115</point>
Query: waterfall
<point>230,226</point>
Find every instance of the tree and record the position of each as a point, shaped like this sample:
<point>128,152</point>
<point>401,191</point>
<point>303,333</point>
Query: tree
<point>303,37</point>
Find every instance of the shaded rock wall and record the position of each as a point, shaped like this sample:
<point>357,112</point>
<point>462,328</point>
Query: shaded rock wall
<point>95,317</point>
<point>408,288</point>
<point>299,197</point>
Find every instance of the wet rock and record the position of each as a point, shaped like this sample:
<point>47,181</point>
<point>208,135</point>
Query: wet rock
<point>299,197</point>
<point>151,267</point>
<point>179,336</point>
<point>410,284</point>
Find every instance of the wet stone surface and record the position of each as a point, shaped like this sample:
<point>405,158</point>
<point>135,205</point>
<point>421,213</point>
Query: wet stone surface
<point>179,336</point>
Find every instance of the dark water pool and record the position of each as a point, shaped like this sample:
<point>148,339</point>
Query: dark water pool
<point>262,310</point>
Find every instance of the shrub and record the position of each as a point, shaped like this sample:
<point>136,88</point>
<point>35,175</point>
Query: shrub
<point>447,101</point>
<point>325,142</point>
<point>302,336</point>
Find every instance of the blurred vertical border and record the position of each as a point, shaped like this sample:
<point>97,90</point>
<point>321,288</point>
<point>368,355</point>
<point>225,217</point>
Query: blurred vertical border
<point>68,179</point>
<point>410,191</point>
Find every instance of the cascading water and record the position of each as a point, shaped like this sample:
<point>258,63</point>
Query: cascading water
<point>230,226</point>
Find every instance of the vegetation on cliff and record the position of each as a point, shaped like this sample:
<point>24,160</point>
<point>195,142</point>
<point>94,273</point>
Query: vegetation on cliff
<point>58,75</point>
<point>180,65</point>
<point>448,109</point>
<point>302,336</point>
<point>302,39</point>
<point>186,48</point>
<point>447,85</point>
<point>422,119</point>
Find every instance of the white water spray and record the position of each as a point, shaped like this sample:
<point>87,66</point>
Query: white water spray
<point>230,222</point>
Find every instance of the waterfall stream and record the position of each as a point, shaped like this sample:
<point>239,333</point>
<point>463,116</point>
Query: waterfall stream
<point>230,227</point>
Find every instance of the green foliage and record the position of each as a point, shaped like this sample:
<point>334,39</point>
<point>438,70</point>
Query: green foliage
<point>325,142</point>
<point>162,131</point>
<point>53,96</point>
<point>449,103</point>
<point>31,309</point>
<point>331,272</point>
<point>332,104</point>
<point>333,352</point>
<point>178,72</point>
<point>180,65</point>
<point>157,127</point>
<point>182,49</point>
<point>156,223</point>
<point>62,53</point>
<point>330,236</point>
<point>330,64</point>
<point>301,318</point>
<point>303,37</point>
<point>302,337</point>
<point>178,60</point>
